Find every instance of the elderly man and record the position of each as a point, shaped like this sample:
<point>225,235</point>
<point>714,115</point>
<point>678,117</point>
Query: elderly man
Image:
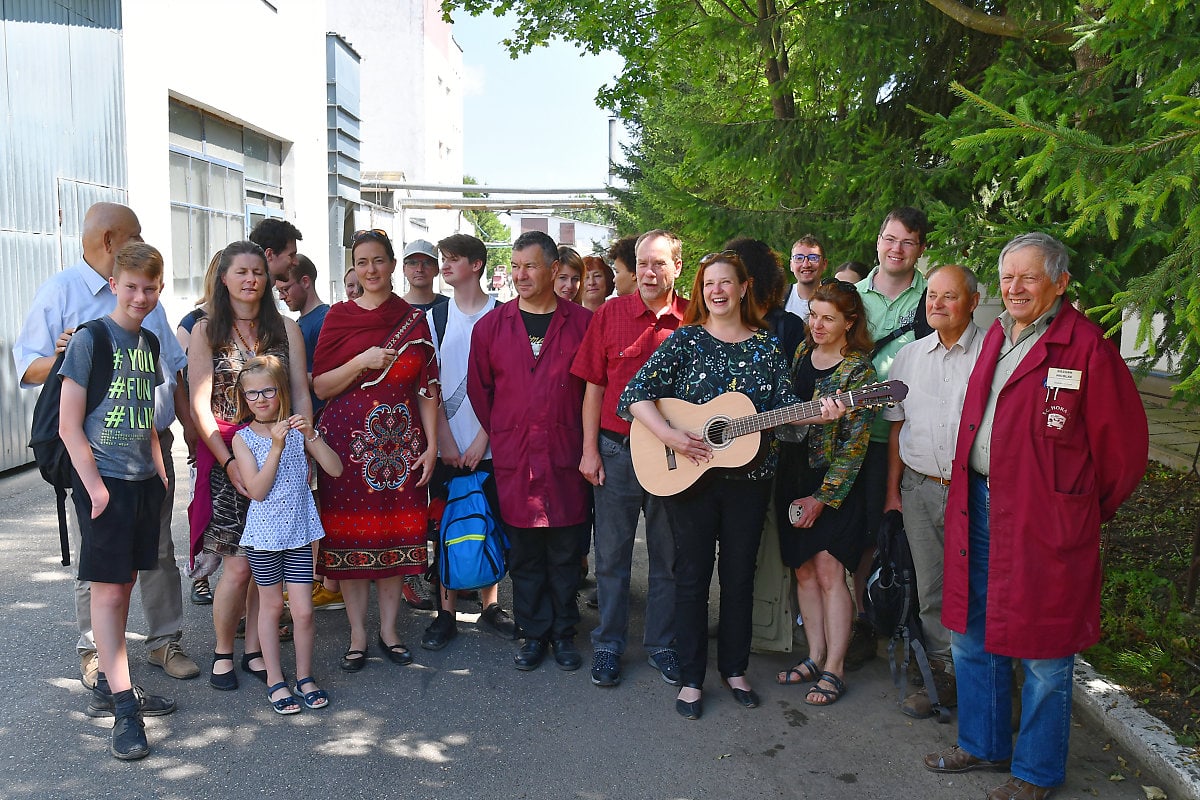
<point>921,447</point>
<point>73,296</point>
<point>1053,438</point>
<point>622,335</point>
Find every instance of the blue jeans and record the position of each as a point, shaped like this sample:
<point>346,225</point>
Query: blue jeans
<point>985,681</point>
<point>618,503</point>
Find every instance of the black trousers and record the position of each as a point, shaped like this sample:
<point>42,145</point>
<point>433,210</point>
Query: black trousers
<point>544,566</point>
<point>717,519</point>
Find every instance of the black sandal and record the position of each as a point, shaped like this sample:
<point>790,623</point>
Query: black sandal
<point>830,696</point>
<point>354,660</point>
<point>261,674</point>
<point>225,681</point>
<point>201,592</point>
<point>793,676</point>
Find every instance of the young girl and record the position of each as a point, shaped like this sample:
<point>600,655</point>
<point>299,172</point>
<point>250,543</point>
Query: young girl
<point>282,521</point>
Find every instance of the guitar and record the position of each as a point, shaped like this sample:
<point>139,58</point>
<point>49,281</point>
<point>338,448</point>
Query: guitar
<point>725,422</point>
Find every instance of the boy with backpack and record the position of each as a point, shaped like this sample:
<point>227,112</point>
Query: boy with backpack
<point>462,443</point>
<point>120,481</point>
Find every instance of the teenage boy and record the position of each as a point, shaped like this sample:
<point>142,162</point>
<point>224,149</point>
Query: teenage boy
<point>462,442</point>
<point>119,484</point>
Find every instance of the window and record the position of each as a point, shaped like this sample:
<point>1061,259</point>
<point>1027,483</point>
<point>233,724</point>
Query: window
<point>566,233</point>
<point>224,178</point>
<point>535,224</point>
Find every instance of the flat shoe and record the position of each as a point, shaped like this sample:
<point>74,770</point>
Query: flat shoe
<point>747,698</point>
<point>202,593</point>
<point>1017,789</point>
<point>261,674</point>
<point>225,681</point>
<point>354,660</point>
<point>690,709</point>
<point>829,696</point>
<point>284,705</point>
<point>396,653</point>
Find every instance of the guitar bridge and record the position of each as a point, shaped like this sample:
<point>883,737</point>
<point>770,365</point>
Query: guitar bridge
<point>670,458</point>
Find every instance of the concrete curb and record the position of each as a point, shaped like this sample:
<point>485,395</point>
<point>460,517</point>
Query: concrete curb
<point>1146,738</point>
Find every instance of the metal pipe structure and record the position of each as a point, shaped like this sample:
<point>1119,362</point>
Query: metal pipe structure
<point>462,188</point>
<point>487,204</point>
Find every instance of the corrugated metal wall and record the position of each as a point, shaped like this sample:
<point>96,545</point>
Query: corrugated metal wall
<point>62,149</point>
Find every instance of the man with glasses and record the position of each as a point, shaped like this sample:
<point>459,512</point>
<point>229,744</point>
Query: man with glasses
<point>892,294</point>
<point>420,263</point>
<point>621,337</point>
<point>807,264</point>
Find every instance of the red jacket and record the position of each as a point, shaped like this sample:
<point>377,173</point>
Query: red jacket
<point>1061,463</point>
<point>533,413</point>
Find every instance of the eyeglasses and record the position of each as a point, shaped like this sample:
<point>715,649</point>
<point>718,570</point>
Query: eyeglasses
<point>253,395</point>
<point>905,244</point>
<point>845,286</point>
<point>810,257</point>
<point>721,256</point>
<point>379,234</point>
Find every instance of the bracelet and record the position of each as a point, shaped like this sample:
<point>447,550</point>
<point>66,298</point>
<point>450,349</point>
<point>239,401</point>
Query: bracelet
<point>316,435</point>
<point>225,466</point>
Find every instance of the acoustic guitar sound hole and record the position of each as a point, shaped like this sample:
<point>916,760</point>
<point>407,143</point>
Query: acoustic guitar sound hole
<point>716,433</point>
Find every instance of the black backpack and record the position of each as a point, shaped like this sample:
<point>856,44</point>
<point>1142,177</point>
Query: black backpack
<point>919,326</point>
<point>49,452</point>
<point>893,608</point>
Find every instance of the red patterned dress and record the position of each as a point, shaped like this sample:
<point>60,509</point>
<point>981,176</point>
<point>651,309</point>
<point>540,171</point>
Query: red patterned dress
<point>375,517</point>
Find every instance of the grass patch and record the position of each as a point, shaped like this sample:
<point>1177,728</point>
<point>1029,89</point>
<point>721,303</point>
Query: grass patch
<point>1149,643</point>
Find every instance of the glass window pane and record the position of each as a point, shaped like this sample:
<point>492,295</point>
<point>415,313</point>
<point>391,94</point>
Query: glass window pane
<point>198,243</point>
<point>257,153</point>
<point>222,140</point>
<point>185,127</point>
<point>235,194</point>
<point>180,267</point>
<point>178,170</point>
<point>198,182</point>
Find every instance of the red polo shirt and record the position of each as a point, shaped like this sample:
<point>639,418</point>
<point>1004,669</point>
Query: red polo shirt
<point>619,340</point>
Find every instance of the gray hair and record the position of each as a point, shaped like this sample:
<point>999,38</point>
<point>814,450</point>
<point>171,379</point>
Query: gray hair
<point>968,274</point>
<point>1056,261</point>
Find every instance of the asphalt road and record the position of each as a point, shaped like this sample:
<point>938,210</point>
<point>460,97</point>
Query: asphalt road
<point>460,723</point>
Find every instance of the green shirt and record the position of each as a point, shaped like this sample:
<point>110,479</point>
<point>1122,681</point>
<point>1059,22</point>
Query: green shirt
<point>885,315</point>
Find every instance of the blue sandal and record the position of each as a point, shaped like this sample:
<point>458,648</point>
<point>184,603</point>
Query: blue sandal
<point>284,705</point>
<point>318,698</point>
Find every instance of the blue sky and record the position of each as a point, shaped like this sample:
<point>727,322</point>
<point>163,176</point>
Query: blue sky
<point>533,121</point>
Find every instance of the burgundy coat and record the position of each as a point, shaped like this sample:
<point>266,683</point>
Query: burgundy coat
<point>1060,465</point>
<point>532,410</point>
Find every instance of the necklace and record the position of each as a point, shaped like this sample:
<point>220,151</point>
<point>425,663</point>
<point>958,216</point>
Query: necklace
<point>245,346</point>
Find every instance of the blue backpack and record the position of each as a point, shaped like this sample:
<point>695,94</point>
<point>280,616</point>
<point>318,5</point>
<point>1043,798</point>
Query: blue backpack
<point>472,545</point>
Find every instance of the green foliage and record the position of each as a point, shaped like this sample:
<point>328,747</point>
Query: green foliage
<point>490,229</point>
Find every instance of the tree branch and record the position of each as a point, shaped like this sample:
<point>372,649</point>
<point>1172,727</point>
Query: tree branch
<point>1054,33</point>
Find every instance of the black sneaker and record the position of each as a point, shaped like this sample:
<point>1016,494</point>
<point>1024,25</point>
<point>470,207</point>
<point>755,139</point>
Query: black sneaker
<point>440,632</point>
<point>606,668</point>
<point>129,738</point>
<point>499,620</point>
<point>667,664</point>
<point>149,705</point>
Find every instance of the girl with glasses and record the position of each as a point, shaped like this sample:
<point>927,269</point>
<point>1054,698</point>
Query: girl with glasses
<point>282,522</point>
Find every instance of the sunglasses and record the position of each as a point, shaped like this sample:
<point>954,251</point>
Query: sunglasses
<point>253,395</point>
<point>377,234</point>
<point>721,256</point>
<point>845,286</point>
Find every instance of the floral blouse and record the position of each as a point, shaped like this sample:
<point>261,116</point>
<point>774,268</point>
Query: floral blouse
<point>695,366</point>
<point>840,447</point>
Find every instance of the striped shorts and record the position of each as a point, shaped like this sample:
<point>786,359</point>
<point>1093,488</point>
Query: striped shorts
<point>270,567</point>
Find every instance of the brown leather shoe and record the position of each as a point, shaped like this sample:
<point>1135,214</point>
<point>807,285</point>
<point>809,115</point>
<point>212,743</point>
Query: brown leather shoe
<point>958,760</point>
<point>1017,789</point>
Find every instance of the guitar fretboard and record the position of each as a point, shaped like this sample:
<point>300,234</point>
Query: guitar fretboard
<point>781,416</point>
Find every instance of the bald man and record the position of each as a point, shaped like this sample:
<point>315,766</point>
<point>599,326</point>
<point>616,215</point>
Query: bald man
<point>73,296</point>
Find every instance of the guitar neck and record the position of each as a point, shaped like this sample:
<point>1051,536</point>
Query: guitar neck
<point>781,416</point>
